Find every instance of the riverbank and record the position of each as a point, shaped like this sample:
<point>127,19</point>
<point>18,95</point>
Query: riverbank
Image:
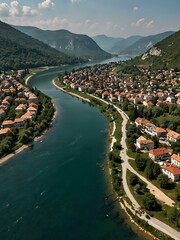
<point>123,206</point>
<point>71,93</point>
<point>36,71</point>
<point>26,146</point>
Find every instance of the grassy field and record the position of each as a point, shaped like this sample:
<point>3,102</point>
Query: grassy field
<point>160,214</point>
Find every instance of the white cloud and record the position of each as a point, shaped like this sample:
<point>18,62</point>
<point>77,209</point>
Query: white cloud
<point>150,24</point>
<point>15,10</point>
<point>27,11</point>
<point>140,22</point>
<point>76,1</point>
<point>4,10</point>
<point>135,9</point>
<point>46,4</point>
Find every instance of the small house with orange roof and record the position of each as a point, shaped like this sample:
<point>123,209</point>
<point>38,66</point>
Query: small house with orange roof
<point>19,122</point>
<point>175,159</point>
<point>159,132</point>
<point>144,144</point>
<point>172,171</point>
<point>7,124</point>
<point>3,132</point>
<point>2,112</point>
<point>159,154</point>
<point>173,136</point>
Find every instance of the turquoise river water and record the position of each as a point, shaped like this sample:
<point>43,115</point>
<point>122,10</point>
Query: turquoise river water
<point>56,189</point>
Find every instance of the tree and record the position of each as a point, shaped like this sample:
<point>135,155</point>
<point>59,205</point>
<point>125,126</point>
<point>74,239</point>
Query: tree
<point>133,180</point>
<point>177,189</point>
<point>156,141</point>
<point>140,162</point>
<point>137,188</point>
<point>163,180</point>
<point>150,202</point>
<point>24,138</point>
<point>152,170</point>
<point>173,215</point>
<point>156,170</point>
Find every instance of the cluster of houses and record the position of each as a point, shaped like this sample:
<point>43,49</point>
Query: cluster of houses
<point>170,165</point>
<point>161,133</point>
<point>106,83</point>
<point>114,86</point>
<point>26,102</point>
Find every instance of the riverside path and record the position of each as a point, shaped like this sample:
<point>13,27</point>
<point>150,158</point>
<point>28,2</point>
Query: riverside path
<point>125,165</point>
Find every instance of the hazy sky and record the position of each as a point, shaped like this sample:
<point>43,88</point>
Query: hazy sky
<point>120,18</point>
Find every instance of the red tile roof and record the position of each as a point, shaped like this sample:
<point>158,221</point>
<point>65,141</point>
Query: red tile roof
<point>175,170</point>
<point>173,134</point>
<point>159,151</point>
<point>159,130</point>
<point>175,157</point>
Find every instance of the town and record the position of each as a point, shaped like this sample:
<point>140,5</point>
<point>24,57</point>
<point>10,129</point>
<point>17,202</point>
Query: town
<point>22,110</point>
<point>149,91</point>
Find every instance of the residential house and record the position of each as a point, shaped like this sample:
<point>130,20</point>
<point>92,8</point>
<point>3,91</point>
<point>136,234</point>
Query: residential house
<point>171,99</point>
<point>28,115</point>
<point>34,105</point>
<point>144,144</point>
<point>82,89</point>
<point>7,124</point>
<point>172,171</point>
<point>148,103</point>
<point>32,110</point>
<point>105,95</point>
<point>19,122</point>
<point>141,122</point>
<point>33,98</point>
<point>175,159</point>
<point>3,133</point>
<point>20,107</point>
<point>2,113</point>
<point>159,154</point>
<point>159,132</point>
<point>149,128</point>
<point>173,136</point>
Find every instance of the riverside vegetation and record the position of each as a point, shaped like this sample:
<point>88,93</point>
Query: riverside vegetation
<point>17,137</point>
<point>148,201</point>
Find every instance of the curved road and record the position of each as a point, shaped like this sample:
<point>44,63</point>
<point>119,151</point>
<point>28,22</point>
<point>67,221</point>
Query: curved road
<point>125,165</point>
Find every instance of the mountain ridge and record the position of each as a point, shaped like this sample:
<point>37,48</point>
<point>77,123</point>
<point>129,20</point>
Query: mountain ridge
<point>164,54</point>
<point>77,45</point>
<point>145,43</point>
<point>17,50</point>
<point>106,42</point>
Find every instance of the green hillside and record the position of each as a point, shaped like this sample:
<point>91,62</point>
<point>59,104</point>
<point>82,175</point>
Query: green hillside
<point>145,43</point>
<point>72,44</point>
<point>17,50</point>
<point>164,54</point>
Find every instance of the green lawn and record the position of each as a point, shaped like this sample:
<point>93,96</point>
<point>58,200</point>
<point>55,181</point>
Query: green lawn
<point>160,214</point>
<point>170,193</point>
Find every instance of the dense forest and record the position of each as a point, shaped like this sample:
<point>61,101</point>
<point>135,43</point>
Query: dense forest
<point>72,44</point>
<point>19,51</point>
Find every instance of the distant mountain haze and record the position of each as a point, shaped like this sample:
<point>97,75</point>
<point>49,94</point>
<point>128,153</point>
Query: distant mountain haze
<point>164,54</point>
<point>133,45</point>
<point>145,43</point>
<point>124,43</point>
<point>72,44</point>
<point>105,42</point>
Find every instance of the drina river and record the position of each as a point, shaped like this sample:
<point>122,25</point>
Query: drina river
<point>56,190</point>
